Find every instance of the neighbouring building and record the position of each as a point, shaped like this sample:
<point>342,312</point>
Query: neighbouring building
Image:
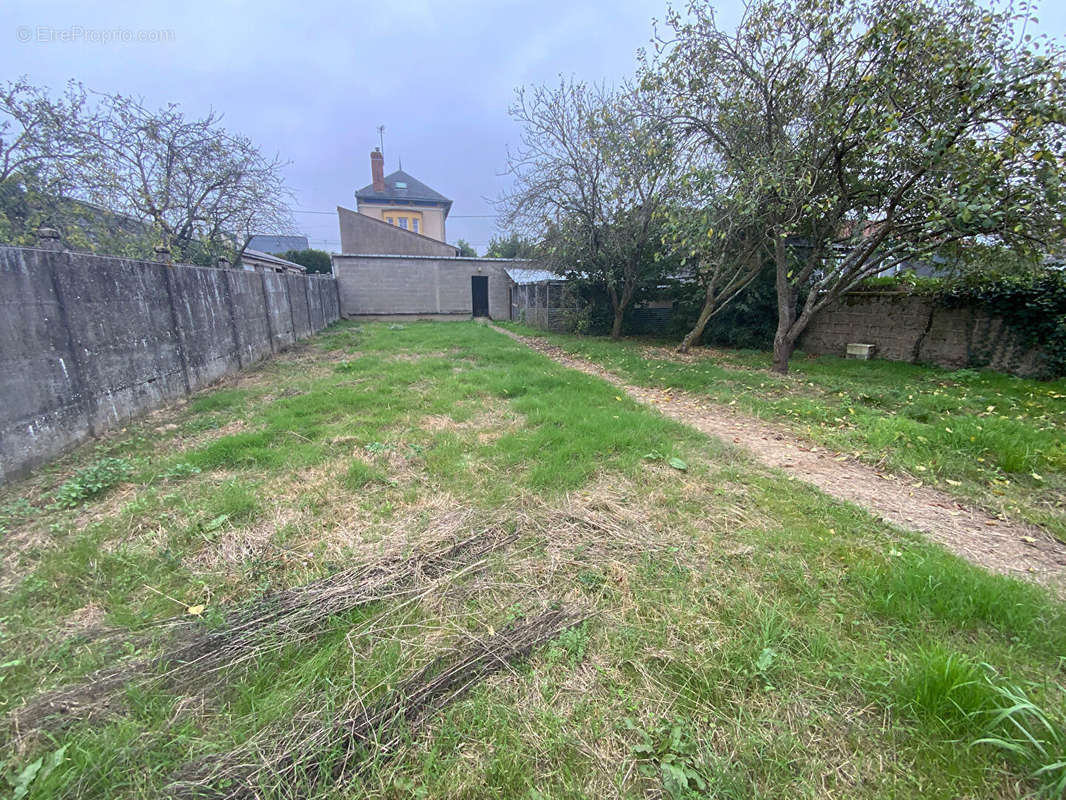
<point>424,287</point>
<point>276,245</point>
<point>370,236</point>
<point>259,261</point>
<point>395,261</point>
<point>402,200</point>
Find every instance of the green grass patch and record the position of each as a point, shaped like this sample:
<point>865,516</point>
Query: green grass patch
<point>983,436</point>
<point>744,635</point>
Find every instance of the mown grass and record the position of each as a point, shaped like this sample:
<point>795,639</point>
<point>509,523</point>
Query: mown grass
<point>745,636</point>
<point>980,435</point>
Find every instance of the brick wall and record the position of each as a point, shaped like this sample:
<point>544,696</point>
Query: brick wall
<point>89,342</point>
<point>915,329</point>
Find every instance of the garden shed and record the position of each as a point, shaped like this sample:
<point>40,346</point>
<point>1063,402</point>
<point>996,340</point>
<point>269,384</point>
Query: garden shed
<point>541,298</point>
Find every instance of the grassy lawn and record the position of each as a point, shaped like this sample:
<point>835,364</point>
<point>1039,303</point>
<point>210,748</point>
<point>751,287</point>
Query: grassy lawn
<point>983,436</point>
<point>522,585</point>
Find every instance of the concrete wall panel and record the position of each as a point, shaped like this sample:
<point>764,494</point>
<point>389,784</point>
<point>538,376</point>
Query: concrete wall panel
<point>89,342</point>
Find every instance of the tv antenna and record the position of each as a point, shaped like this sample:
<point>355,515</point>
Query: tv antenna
<point>381,138</point>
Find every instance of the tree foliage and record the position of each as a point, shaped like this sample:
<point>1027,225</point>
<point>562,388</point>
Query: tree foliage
<point>864,133</point>
<point>466,249</point>
<point>514,245</point>
<point>316,261</point>
<point>198,184</point>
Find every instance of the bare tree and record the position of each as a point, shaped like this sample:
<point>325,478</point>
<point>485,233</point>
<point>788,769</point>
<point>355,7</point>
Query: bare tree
<point>593,172</point>
<point>198,184</point>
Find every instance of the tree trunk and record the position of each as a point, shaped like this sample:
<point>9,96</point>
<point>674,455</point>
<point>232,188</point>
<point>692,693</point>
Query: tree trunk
<point>697,329</point>
<point>784,343</point>
<point>616,326</point>
<point>783,347</point>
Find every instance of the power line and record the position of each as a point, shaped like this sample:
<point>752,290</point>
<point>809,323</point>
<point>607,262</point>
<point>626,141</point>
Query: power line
<point>450,216</point>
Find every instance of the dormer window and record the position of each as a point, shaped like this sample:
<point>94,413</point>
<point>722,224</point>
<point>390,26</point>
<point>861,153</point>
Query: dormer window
<point>400,185</point>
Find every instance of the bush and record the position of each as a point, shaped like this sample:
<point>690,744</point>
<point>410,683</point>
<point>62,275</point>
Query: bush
<point>1033,306</point>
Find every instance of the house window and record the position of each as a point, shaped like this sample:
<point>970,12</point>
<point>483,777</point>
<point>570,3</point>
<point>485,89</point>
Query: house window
<point>403,222</point>
<point>389,220</point>
<point>414,225</point>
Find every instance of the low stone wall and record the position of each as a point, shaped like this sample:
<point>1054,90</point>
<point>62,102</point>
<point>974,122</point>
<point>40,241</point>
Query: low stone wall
<point>89,342</point>
<point>916,329</point>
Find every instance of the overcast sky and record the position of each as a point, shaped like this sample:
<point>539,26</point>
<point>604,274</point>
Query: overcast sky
<point>311,81</point>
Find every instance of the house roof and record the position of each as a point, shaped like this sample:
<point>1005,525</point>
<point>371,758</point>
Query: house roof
<point>259,255</point>
<point>404,189</point>
<point>268,243</point>
<point>521,275</point>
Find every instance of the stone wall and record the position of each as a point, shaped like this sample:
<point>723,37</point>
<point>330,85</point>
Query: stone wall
<point>916,329</point>
<point>393,285</point>
<point>89,342</point>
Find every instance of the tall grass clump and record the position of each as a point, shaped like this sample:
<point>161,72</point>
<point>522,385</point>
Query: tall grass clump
<point>1032,738</point>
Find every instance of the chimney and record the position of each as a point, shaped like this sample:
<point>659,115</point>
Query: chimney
<point>377,169</point>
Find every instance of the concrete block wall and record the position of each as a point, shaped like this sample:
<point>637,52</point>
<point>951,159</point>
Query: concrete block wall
<point>916,329</point>
<point>89,342</point>
<point>387,285</point>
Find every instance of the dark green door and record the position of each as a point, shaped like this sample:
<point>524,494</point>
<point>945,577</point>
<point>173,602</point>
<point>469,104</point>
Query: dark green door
<point>479,291</point>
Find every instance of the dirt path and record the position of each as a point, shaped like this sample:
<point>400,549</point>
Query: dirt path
<point>998,544</point>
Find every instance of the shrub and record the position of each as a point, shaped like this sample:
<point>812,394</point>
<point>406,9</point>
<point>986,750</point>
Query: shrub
<point>1034,307</point>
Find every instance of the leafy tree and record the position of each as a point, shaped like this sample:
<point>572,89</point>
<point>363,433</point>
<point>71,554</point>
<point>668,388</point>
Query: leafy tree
<point>316,261</point>
<point>513,246</point>
<point>43,144</point>
<point>720,246</point>
<point>867,133</point>
<point>466,249</point>
<point>593,171</point>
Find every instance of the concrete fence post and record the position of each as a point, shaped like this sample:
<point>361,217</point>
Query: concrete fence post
<point>48,239</point>
<point>231,311</point>
<point>266,310</point>
<point>170,279</point>
<point>162,253</point>
<point>307,299</point>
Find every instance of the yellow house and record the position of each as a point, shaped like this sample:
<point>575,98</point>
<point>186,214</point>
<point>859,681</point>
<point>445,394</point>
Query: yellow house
<point>403,201</point>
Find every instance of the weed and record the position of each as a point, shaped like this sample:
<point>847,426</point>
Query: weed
<point>944,687</point>
<point>668,752</point>
<point>18,509</point>
<point>93,481</point>
<point>570,647</point>
<point>182,469</point>
<point>359,474</point>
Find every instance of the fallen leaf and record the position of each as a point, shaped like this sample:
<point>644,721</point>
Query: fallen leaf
<point>195,611</point>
